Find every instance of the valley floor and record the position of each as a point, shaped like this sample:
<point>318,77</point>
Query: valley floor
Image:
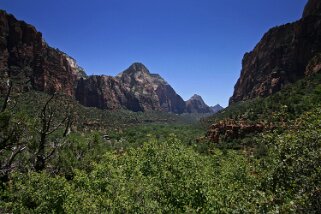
<point>156,163</point>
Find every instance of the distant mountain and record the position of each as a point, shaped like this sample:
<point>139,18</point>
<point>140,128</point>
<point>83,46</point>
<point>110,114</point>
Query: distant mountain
<point>196,104</point>
<point>32,64</point>
<point>284,55</point>
<point>135,89</point>
<point>152,91</point>
<point>216,108</point>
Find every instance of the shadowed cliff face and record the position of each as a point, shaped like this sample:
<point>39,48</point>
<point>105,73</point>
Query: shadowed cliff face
<point>27,59</point>
<point>105,92</point>
<point>313,7</point>
<point>281,57</point>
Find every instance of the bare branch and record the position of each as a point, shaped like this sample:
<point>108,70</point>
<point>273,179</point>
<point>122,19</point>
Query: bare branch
<point>6,100</point>
<point>14,154</point>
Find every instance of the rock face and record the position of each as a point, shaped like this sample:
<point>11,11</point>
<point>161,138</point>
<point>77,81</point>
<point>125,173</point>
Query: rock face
<point>135,89</point>
<point>230,129</point>
<point>105,92</point>
<point>24,56</point>
<point>314,65</point>
<point>313,7</point>
<point>151,90</point>
<point>216,108</point>
<point>281,57</point>
<point>196,104</point>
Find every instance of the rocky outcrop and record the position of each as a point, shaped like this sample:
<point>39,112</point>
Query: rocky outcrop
<point>230,129</point>
<point>196,104</point>
<point>76,70</point>
<point>281,57</point>
<point>30,62</point>
<point>314,65</point>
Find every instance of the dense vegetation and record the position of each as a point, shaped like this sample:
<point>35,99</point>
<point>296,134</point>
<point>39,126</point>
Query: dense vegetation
<point>152,163</point>
<point>284,105</point>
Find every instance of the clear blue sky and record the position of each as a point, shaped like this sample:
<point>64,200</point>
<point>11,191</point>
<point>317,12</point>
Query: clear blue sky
<point>196,45</point>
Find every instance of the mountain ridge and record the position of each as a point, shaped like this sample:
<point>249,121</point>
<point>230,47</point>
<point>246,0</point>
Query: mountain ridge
<point>25,55</point>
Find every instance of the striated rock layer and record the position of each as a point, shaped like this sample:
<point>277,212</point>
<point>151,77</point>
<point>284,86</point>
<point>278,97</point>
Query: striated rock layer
<point>281,57</point>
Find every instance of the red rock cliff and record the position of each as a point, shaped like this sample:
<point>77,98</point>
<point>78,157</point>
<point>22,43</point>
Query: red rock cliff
<point>281,57</point>
<point>27,59</point>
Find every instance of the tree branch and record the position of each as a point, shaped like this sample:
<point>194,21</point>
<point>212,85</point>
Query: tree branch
<point>6,100</point>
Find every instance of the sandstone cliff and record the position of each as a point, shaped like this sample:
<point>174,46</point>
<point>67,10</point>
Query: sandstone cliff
<point>30,62</point>
<point>105,92</point>
<point>281,57</point>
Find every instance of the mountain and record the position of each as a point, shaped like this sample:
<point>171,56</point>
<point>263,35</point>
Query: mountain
<point>135,89</point>
<point>216,108</point>
<point>152,91</point>
<point>284,55</point>
<point>196,104</point>
<point>31,64</point>
<point>28,60</point>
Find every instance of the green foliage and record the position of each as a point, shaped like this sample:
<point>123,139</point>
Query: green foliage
<point>124,162</point>
<point>89,119</point>
<point>35,193</point>
<point>284,106</point>
<point>295,165</point>
<point>165,177</point>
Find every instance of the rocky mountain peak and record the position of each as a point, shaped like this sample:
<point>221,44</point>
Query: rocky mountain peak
<point>313,7</point>
<point>197,97</point>
<point>137,67</point>
<point>196,104</point>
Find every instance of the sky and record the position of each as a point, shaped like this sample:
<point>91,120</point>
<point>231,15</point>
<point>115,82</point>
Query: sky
<point>197,46</point>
